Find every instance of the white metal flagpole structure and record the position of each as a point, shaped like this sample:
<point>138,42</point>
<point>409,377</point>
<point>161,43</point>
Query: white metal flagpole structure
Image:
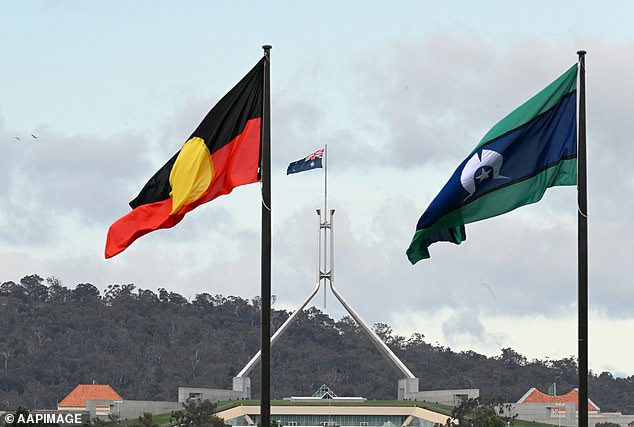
<point>326,223</point>
<point>325,272</point>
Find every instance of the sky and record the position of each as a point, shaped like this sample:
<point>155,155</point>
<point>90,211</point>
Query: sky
<point>400,93</point>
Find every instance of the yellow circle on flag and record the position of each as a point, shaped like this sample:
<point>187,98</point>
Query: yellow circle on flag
<point>191,174</point>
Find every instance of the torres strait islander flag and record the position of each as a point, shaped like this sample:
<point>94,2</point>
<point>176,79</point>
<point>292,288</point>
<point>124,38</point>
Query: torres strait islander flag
<point>530,150</point>
<point>221,154</point>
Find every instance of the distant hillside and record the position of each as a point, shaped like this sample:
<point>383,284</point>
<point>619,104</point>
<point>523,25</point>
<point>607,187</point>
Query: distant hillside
<point>146,344</point>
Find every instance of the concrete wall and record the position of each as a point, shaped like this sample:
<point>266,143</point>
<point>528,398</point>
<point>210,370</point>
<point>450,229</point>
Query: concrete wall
<point>407,387</point>
<point>408,390</point>
<point>211,394</point>
<point>611,417</point>
<point>91,407</point>
<point>543,413</point>
<point>243,386</point>
<point>133,409</point>
<point>446,397</point>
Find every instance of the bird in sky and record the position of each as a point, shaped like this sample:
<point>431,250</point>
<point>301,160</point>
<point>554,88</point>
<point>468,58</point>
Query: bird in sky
<point>486,285</point>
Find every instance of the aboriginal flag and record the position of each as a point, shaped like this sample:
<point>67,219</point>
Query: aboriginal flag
<point>221,154</point>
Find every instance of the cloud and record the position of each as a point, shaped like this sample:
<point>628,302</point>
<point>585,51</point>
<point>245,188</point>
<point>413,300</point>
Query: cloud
<point>464,325</point>
<point>397,116</point>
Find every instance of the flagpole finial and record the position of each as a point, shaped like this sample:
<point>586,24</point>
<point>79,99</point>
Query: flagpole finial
<point>267,51</point>
<point>581,52</point>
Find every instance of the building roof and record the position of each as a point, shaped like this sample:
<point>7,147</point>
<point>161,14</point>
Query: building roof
<point>324,392</point>
<point>535,396</point>
<point>248,411</point>
<point>83,392</point>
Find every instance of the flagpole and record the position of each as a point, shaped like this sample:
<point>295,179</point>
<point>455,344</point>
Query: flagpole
<point>582,220</point>
<point>325,210</point>
<point>265,278</point>
<point>326,177</point>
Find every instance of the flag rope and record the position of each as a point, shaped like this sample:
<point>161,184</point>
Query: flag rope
<point>268,208</point>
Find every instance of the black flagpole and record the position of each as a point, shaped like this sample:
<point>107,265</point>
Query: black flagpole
<point>582,216</point>
<point>265,323</point>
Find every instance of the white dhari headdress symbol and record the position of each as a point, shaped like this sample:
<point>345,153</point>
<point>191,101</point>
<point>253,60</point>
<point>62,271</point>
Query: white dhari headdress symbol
<point>476,163</point>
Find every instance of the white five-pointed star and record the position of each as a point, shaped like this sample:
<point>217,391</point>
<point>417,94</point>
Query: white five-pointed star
<point>484,174</point>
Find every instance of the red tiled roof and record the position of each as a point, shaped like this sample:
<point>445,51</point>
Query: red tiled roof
<point>84,392</point>
<point>536,396</point>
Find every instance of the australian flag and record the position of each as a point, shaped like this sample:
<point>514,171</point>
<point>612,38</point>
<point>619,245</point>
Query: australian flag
<point>311,161</point>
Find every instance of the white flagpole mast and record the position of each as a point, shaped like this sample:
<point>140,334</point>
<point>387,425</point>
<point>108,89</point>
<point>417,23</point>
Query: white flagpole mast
<point>326,222</point>
<point>326,178</point>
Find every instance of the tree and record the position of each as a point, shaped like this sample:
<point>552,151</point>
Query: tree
<point>177,299</point>
<point>493,421</point>
<point>20,412</point>
<point>85,292</point>
<point>136,341</point>
<point>113,421</point>
<point>477,413</point>
<point>199,413</point>
<point>57,292</point>
<point>163,295</point>
<point>204,301</point>
<point>12,289</point>
<point>383,331</point>
<point>34,287</point>
<point>511,357</point>
<point>118,292</point>
<point>146,421</point>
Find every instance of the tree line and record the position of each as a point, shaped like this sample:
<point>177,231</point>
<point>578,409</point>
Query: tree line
<point>146,344</point>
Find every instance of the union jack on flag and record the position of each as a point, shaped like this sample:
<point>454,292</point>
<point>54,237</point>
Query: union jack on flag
<point>312,161</point>
<point>317,154</point>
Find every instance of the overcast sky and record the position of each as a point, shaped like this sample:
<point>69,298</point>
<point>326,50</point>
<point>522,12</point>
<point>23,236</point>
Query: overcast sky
<point>400,92</point>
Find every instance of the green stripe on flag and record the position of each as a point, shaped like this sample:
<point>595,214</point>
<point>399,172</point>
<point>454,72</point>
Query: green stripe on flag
<point>497,202</point>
